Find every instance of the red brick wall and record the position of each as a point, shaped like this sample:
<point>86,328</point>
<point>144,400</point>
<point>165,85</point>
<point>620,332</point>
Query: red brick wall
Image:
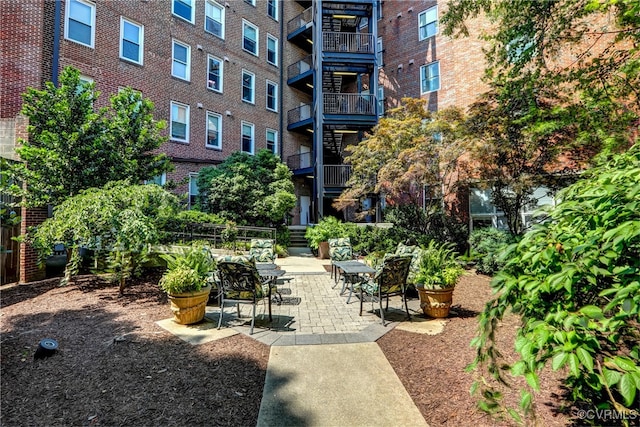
<point>461,60</point>
<point>29,269</point>
<point>154,79</point>
<point>22,38</point>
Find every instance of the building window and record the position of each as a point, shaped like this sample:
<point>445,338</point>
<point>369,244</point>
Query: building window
<point>272,96</point>
<point>272,9</point>
<point>379,9</point>
<point>248,87</point>
<point>430,77</point>
<point>214,18</point>
<point>272,141</point>
<point>379,50</point>
<point>248,141</point>
<point>214,130</point>
<point>250,37</point>
<point>428,23</point>
<point>380,100</point>
<point>179,122</point>
<point>214,74</point>
<point>194,191</point>
<point>131,41</point>
<point>251,2</point>
<point>183,9</point>
<point>80,22</point>
<point>158,179</point>
<point>272,50</point>
<point>181,67</point>
<point>483,213</point>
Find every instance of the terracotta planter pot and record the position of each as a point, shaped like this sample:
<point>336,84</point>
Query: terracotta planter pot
<point>435,302</point>
<point>189,307</point>
<point>323,250</point>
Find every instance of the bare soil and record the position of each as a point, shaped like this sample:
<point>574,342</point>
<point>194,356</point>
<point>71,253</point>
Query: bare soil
<point>115,367</point>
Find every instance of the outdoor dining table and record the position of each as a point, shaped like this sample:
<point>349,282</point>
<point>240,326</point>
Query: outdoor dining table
<point>352,272</point>
<point>271,272</point>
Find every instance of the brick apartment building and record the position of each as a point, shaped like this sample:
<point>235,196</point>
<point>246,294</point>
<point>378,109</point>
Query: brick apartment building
<point>302,78</point>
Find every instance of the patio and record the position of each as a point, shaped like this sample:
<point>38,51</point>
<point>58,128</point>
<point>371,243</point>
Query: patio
<point>312,312</point>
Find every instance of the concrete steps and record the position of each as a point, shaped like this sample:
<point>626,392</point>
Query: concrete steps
<point>296,239</point>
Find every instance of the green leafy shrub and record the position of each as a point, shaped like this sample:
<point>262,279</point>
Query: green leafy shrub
<point>119,220</point>
<point>575,282</point>
<point>188,271</point>
<point>329,227</point>
<point>438,268</point>
<point>486,245</point>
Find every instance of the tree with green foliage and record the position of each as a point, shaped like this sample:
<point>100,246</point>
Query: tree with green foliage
<point>249,190</point>
<point>120,220</point>
<point>575,282</point>
<point>407,150</point>
<point>542,110</point>
<point>72,147</point>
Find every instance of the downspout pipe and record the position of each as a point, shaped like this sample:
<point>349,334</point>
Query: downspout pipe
<point>281,86</point>
<point>55,58</point>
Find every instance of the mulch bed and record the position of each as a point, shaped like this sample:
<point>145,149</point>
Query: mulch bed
<point>115,366</point>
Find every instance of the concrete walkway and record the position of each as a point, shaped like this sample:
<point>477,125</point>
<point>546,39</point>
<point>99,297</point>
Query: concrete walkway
<point>334,385</point>
<point>324,366</point>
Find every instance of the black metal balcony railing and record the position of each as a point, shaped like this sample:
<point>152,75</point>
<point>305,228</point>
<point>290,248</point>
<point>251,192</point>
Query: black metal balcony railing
<point>299,114</point>
<point>349,103</point>
<point>336,175</point>
<point>347,42</point>
<point>299,161</point>
<point>300,21</point>
<point>300,67</point>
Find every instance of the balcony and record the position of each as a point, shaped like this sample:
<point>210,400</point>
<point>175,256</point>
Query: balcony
<point>300,74</point>
<point>336,176</point>
<point>348,47</point>
<point>300,118</point>
<point>354,109</point>
<point>300,163</point>
<point>299,29</point>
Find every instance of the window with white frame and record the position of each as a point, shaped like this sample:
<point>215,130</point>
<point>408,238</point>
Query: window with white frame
<point>248,86</point>
<point>272,96</point>
<point>379,50</point>
<point>272,141</point>
<point>194,191</point>
<point>183,9</point>
<point>248,137</point>
<point>214,130</point>
<point>131,40</point>
<point>272,9</point>
<point>214,73</point>
<point>272,50</point>
<point>181,66</point>
<point>379,9</point>
<point>430,77</point>
<point>428,23</point>
<point>179,122</point>
<point>80,22</point>
<point>249,37</point>
<point>214,18</point>
<point>380,100</point>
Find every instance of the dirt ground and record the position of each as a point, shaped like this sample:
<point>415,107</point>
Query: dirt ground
<point>116,367</point>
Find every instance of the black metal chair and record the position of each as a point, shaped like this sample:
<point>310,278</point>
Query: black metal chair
<point>240,283</point>
<point>390,280</point>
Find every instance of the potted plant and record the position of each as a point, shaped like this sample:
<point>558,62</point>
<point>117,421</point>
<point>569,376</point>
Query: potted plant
<point>187,282</point>
<point>436,279</point>
<point>319,234</point>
